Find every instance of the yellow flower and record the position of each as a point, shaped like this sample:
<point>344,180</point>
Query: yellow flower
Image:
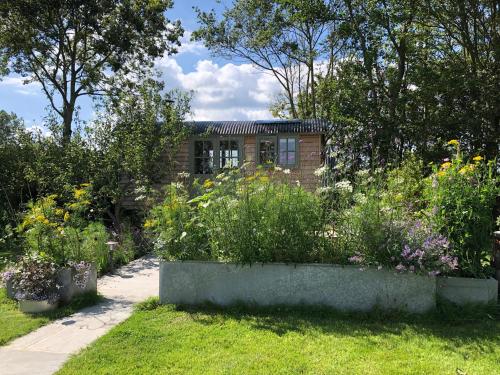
<point>40,218</point>
<point>79,193</point>
<point>445,165</point>
<point>46,221</point>
<point>208,184</point>
<point>149,223</point>
<point>453,142</point>
<point>59,212</point>
<point>477,158</point>
<point>66,216</point>
<point>441,173</point>
<point>264,179</point>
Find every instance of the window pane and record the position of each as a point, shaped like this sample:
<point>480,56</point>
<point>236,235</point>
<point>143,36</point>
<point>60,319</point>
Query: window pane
<point>228,155</point>
<point>283,157</point>
<point>291,158</point>
<point>283,144</point>
<point>267,151</point>
<point>207,148</point>
<point>204,157</point>
<point>291,144</point>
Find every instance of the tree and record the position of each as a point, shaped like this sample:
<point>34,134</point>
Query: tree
<point>283,37</point>
<point>134,141</point>
<point>77,48</point>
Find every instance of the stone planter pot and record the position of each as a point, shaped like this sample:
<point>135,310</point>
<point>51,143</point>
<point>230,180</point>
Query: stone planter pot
<point>11,292</point>
<point>69,288</point>
<point>341,287</point>
<point>463,290</point>
<point>36,307</point>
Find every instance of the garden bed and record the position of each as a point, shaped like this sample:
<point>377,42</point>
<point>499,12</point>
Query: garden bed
<point>341,287</point>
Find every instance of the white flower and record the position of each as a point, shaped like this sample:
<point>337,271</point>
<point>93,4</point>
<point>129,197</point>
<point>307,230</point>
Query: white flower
<point>363,173</point>
<point>321,171</point>
<point>184,234</point>
<point>278,169</point>
<point>298,184</point>
<point>344,186</point>
<point>286,171</point>
<point>183,175</point>
<point>324,189</point>
<point>359,198</point>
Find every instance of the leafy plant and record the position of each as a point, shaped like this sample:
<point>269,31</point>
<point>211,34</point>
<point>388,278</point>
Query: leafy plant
<point>460,198</point>
<point>246,219</point>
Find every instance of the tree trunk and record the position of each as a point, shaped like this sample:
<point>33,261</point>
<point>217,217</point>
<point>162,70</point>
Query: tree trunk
<point>68,111</point>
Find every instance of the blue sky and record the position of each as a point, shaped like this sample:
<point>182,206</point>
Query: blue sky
<point>222,89</point>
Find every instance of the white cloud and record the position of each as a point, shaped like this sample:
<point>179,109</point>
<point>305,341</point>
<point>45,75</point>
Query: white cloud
<point>188,46</point>
<point>227,92</point>
<point>18,85</point>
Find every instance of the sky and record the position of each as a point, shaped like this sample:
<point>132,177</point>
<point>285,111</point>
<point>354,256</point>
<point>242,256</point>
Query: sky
<point>222,89</point>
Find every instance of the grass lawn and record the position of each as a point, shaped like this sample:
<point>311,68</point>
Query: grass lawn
<point>176,340</point>
<point>14,323</point>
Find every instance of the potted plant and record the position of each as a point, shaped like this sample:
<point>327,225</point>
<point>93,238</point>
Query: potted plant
<point>35,283</point>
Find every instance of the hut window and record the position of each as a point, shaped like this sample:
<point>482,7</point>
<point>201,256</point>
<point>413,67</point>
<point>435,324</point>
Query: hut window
<point>203,157</point>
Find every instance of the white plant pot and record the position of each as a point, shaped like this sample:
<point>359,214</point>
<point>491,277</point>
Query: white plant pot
<point>36,307</point>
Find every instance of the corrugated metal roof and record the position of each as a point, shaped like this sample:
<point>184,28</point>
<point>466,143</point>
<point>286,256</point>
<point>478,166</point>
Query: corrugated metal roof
<point>259,127</point>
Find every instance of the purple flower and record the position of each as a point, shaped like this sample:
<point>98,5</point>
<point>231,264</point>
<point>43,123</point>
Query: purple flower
<point>400,268</point>
<point>357,258</point>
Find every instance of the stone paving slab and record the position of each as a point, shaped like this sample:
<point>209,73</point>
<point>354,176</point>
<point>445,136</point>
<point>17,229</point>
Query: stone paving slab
<point>44,351</point>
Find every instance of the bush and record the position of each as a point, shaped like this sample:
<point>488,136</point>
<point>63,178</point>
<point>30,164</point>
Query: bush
<point>460,199</point>
<point>64,232</point>
<point>257,218</point>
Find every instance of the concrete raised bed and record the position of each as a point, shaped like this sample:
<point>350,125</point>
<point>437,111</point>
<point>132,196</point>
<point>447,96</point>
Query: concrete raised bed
<point>36,307</point>
<point>463,291</point>
<point>69,288</point>
<point>339,287</point>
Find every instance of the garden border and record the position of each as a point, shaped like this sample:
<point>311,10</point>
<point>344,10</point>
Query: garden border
<point>348,288</point>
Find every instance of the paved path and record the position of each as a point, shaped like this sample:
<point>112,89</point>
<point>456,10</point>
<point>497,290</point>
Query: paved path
<point>44,351</point>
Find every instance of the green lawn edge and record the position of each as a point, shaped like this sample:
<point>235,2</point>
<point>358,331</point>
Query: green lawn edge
<point>14,323</point>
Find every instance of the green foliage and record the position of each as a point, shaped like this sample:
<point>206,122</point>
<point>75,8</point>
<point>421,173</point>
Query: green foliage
<point>87,40</point>
<point>394,77</point>
<point>256,218</point>
<point>460,196</point>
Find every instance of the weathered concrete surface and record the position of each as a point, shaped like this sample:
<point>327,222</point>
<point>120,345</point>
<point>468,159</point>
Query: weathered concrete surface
<point>70,289</point>
<point>344,288</point>
<point>46,349</point>
<point>462,290</point>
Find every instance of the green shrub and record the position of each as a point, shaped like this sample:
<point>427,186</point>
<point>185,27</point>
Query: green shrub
<point>93,246</point>
<point>258,218</point>
<point>460,199</point>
